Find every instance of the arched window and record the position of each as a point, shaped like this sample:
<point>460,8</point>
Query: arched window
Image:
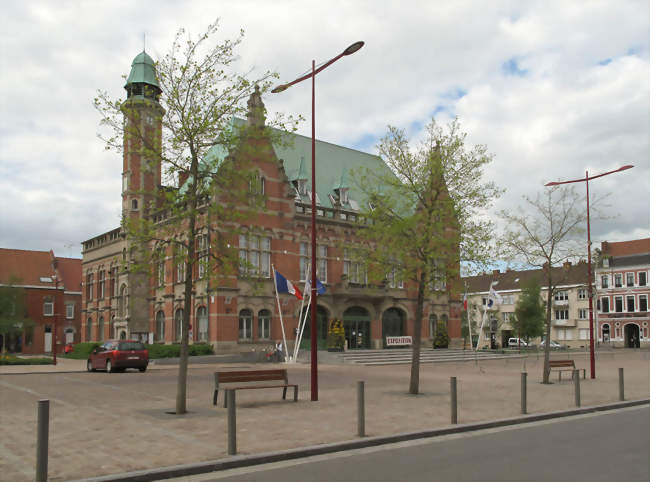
<point>178,323</point>
<point>89,324</point>
<point>100,329</point>
<point>264,325</point>
<point>246,325</point>
<point>445,321</point>
<point>202,317</point>
<point>160,326</point>
<point>433,325</point>
<point>121,302</point>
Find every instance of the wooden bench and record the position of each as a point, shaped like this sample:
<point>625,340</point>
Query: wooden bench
<point>564,366</point>
<point>246,378</point>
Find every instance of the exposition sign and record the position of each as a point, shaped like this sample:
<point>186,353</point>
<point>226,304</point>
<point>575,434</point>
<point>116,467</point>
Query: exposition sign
<point>398,340</point>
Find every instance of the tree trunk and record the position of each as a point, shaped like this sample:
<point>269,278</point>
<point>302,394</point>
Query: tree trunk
<point>414,386</point>
<point>547,345</point>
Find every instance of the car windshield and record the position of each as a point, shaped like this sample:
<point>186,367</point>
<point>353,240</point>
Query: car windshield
<point>130,345</point>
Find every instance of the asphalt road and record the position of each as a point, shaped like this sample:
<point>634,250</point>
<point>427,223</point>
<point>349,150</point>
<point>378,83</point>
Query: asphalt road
<point>606,446</point>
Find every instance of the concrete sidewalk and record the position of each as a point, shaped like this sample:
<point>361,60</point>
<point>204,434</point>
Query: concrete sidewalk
<point>113,423</point>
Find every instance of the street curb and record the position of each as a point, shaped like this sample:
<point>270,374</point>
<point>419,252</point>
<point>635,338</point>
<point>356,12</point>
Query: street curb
<point>301,452</point>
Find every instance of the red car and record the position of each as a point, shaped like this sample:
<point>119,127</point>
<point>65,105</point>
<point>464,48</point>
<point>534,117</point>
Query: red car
<point>119,355</point>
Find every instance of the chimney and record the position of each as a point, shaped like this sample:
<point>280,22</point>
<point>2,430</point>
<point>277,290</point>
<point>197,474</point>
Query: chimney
<point>496,272</point>
<point>567,264</point>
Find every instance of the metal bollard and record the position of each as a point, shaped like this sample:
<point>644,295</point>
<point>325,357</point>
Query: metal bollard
<point>232,423</point>
<point>361,409</point>
<point>621,386</point>
<point>42,436</point>
<point>524,375</point>
<point>576,384</point>
<point>454,401</point>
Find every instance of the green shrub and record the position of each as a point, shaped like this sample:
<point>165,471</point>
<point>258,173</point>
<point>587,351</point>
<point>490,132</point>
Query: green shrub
<point>159,350</point>
<point>81,351</point>
<point>13,360</point>
<point>441,339</point>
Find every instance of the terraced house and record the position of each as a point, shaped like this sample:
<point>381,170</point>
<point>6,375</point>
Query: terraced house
<point>570,315</point>
<point>622,293</point>
<point>237,316</point>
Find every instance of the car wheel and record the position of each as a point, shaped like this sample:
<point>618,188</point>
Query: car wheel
<point>142,369</point>
<point>89,366</point>
<point>109,366</point>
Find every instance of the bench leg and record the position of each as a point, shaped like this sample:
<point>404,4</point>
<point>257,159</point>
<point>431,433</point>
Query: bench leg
<point>295,393</point>
<point>284,393</point>
<point>214,397</point>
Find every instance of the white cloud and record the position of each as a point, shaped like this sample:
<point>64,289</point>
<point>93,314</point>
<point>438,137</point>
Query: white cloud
<point>577,97</point>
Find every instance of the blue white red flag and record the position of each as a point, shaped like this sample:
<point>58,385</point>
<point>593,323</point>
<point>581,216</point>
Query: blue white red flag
<point>285,286</point>
<point>320,289</point>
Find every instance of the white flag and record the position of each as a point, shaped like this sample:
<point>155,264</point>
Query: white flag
<point>494,298</point>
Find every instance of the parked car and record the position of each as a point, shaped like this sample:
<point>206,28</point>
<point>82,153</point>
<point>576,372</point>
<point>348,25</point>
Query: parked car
<point>554,345</point>
<point>516,342</point>
<point>118,355</point>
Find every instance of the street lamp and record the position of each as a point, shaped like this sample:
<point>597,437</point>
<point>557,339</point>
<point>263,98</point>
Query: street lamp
<point>280,88</point>
<point>586,180</point>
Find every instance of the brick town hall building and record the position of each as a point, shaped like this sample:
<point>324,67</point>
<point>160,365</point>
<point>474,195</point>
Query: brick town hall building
<point>234,317</point>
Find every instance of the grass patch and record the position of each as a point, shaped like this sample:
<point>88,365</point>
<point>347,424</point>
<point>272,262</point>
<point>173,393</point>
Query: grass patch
<point>14,360</point>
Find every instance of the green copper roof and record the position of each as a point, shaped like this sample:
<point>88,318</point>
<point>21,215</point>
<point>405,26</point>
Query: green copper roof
<point>143,71</point>
<point>333,164</point>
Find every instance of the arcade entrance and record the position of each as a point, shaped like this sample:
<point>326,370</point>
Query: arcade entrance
<point>356,322</point>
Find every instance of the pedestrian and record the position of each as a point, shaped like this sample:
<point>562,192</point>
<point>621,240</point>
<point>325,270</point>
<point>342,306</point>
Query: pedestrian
<point>279,352</point>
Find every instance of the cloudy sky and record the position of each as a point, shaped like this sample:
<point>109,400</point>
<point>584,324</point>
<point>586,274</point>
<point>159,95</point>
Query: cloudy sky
<point>552,88</point>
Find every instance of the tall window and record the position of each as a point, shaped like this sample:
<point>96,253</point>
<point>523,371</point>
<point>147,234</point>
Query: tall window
<point>618,304</point>
<point>264,325</point>
<point>121,302</point>
<point>69,311</point>
<point>255,255</point>
<point>321,261</point>
<point>160,268</point>
<point>582,293</point>
<point>160,326</point>
<point>604,281</point>
<point>100,329</point>
<point>180,264</point>
<point>629,279</point>
<point>642,278</point>
<point>582,314</point>
<point>630,303</point>
<point>605,304</point>
<point>202,251</point>
<point>202,316</point>
<point>433,324</point>
<point>618,280</point>
<point>89,325</point>
<point>355,270</point>
<point>178,323</point>
<point>114,281</point>
<point>48,307</point>
<point>395,279</point>
<point>643,302</point>
<point>101,286</point>
<point>245,325</point>
<point>89,286</point>
<point>256,183</point>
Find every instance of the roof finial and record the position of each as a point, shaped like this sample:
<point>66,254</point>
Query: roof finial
<point>144,41</point>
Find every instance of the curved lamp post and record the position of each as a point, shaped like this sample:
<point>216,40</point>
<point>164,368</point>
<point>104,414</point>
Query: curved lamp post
<point>280,88</point>
<point>586,180</point>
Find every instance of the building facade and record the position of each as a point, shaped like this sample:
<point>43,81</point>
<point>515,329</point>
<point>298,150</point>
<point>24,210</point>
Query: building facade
<point>52,299</point>
<point>570,307</point>
<point>622,292</point>
<point>242,315</point>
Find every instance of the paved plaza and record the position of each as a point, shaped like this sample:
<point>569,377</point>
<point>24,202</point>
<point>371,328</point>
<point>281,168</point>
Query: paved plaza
<point>104,423</point>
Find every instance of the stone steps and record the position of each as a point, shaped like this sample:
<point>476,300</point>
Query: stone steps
<point>427,355</point>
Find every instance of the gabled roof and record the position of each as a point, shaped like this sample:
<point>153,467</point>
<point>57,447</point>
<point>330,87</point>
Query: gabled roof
<point>512,280</point>
<point>626,248</point>
<point>34,268</point>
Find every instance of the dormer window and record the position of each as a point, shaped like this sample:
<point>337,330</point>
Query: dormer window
<point>301,186</point>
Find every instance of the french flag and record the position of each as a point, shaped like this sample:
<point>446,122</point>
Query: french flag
<point>285,286</point>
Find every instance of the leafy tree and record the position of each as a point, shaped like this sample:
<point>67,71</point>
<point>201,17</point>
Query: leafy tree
<point>189,134</point>
<point>13,321</point>
<point>545,234</point>
<point>528,321</point>
<point>422,215</point>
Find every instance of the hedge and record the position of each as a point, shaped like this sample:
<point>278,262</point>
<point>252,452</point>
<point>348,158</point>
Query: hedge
<point>81,351</point>
<point>13,360</point>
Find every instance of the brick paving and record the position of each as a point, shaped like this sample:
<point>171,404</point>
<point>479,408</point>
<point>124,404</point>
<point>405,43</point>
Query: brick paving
<point>109,423</point>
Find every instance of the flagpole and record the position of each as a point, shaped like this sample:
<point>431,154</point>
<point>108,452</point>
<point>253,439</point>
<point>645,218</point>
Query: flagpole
<point>277,297</point>
<point>304,322</point>
<point>469,322</point>
<point>296,347</point>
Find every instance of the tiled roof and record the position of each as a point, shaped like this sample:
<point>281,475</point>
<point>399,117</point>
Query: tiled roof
<point>512,280</point>
<point>626,248</point>
<point>633,260</point>
<point>32,268</point>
